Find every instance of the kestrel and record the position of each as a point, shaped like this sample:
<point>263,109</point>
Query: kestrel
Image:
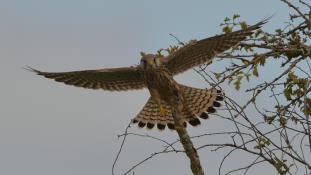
<point>156,73</point>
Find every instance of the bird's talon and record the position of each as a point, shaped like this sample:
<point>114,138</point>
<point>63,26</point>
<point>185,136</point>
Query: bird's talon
<point>162,111</point>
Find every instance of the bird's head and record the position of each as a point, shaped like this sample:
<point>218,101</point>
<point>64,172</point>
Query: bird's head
<point>150,61</point>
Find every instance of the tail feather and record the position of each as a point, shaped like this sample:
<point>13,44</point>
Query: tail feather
<point>150,116</point>
<point>198,103</point>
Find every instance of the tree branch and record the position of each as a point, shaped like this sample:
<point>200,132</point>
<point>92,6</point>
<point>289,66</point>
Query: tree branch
<point>186,142</point>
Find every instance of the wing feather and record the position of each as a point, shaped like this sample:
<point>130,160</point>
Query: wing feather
<point>200,52</point>
<point>114,79</point>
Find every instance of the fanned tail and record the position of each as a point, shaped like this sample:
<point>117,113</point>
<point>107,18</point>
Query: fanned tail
<point>150,116</point>
<point>198,103</point>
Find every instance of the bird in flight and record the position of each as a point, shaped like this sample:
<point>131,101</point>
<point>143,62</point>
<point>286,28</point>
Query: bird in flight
<point>156,73</point>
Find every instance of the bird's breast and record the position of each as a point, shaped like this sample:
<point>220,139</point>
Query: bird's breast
<point>161,85</point>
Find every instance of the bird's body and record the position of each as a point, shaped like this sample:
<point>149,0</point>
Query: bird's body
<point>161,84</point>
<point>156,73</point>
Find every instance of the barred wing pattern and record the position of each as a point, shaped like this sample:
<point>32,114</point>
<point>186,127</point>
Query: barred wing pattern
<point>114,79</point>
<point>200,52</point>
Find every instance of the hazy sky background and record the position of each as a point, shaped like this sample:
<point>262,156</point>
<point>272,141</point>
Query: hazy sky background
<point>48,128</point>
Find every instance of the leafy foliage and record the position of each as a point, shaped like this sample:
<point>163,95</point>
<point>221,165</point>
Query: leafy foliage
<point>281,134</point>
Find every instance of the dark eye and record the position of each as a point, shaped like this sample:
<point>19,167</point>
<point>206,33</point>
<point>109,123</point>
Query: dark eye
<point>144,63</point>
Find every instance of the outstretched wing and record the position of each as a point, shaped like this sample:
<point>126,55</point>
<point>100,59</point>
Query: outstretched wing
<point>203,51</point>
<point>114,79</point>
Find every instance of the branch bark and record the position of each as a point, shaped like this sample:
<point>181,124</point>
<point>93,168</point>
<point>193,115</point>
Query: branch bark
<point>186,142</point>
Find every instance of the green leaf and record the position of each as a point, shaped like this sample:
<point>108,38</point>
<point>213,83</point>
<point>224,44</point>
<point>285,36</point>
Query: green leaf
<point>217,75</point>
<point>227,29</point>
<point>262,142</point>
<point>226,19</point>
<point>248,76</point>
<point>270,119</point>
<point>291,77</point>
<point>237,83</point>
<point>280,166</point>
<point>283,122</point>
<point>235,16</point>
<point>306,109</point>
<point>262,60</point>
<point>279,31</point>
<point>255,71</point>
<point>243,25</point>
<point>288,92</point>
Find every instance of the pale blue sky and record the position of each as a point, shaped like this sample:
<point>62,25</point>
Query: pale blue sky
<point>49,128</point>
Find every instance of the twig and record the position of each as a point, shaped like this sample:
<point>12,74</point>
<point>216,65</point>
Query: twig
<point>296,9</point>
<point>119,152</point>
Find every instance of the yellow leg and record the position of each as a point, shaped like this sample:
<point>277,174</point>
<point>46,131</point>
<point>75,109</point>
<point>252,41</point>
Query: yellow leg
<point>162,111</point>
